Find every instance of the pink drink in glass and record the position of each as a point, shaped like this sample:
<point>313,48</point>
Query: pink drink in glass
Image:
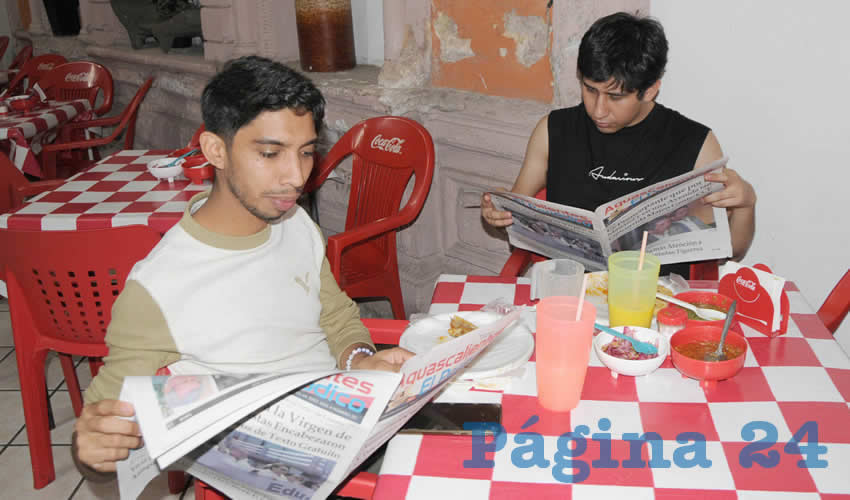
<point>562,350</point>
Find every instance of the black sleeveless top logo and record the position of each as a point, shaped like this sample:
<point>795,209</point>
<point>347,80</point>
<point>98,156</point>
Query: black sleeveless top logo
<point>588,168</point>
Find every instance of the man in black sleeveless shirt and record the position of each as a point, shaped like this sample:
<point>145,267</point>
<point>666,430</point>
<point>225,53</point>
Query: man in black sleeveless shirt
<point>619,139</point>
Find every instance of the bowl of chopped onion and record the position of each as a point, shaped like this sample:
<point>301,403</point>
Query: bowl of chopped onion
<point>621,358</point>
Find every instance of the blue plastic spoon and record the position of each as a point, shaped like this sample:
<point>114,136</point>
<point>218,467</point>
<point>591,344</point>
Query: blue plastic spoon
<point>640,346</point>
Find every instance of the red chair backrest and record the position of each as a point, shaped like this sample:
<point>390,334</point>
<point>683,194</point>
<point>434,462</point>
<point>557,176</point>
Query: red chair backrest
<point>33,70</point>
<point>4,44</point>
<point>23,56</point>
<point>386,152</point>
<point>836,305</point>
<point>10,179</point>
<point>79,80</point>
<point>131,113</point>
<point>195,141</point>
<point>70,279</point>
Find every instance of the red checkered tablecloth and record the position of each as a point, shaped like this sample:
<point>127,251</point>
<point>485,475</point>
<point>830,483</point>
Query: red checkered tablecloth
<point>25,131</point>
<point>117,191</point>
<point>787,381</point>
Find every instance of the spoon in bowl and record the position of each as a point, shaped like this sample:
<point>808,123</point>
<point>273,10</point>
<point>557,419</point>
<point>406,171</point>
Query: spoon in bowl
<point>640,346</point>
<point>702,312</point>
<point>718,355</point>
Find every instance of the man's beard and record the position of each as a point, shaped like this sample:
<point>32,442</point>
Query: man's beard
<point>234,188</point>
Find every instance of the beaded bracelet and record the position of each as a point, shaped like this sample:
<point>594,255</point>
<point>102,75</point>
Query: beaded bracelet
<point>364,350</point>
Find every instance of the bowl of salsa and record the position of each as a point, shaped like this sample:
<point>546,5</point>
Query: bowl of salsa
<point>706,300</point>
<point>689,346</point>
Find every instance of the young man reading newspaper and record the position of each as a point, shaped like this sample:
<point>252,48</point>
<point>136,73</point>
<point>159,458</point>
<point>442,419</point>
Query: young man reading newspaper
<point>241,284</point>
<point>619,139</point>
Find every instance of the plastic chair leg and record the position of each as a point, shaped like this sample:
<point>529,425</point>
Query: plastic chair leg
<point>72,382</point>
<point>396,300</point>
<point>34,397</point>
<point>176,481</point>
<point>94,366</point>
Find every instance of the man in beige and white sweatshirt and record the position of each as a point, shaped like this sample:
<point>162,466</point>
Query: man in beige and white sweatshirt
<point>241,284</point>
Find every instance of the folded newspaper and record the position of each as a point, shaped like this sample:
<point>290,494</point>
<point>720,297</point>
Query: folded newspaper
<point>283,435</point>
<point>681,227</point>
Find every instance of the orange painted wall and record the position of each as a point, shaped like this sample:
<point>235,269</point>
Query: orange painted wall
<point>487,72</point>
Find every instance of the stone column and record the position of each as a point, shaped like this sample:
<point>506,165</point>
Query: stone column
<point>100,26</point>
<point>39,25</point>
<point>246,25</point>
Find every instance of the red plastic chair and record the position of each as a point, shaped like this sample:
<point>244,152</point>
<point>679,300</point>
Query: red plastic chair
<point>361,485</point>
<point>520,259</point>
<point>23,56</point>
<point>836,305</point>
<point>61,287</point>
<point>79,80</point>
<point>386,152</point>
<point>32,71</point>
<point>15,188</point>
<point>195,141</point>
<point>4,44</point>
<point>66,164</point>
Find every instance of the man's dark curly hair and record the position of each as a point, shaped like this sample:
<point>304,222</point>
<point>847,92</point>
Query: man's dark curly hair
<point>632,50</point>
<point>250,85</point>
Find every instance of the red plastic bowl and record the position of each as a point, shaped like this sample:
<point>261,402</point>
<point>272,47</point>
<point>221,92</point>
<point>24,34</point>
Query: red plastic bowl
<point>22,103</point>
<point>707,370</point>
<point>710,298</point>
<point>196,169</point>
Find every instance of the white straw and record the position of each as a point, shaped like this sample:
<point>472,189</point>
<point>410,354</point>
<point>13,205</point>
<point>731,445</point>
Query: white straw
<point>642,251</point>
<point>581,297</point>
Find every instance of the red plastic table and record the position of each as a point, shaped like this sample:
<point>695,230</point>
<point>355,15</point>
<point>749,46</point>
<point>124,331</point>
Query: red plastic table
<point>117,191</point>
<point>25,131</point>
<point>802,376</point>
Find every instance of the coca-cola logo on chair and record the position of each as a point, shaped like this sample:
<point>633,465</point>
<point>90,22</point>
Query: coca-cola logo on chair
<point>747,285</point>
<point>389,145</point>
<point>79,77</point>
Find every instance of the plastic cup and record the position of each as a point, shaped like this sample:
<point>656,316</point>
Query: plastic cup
<point>631,293</point>
<point>562,347</point>
<point>559,277</point>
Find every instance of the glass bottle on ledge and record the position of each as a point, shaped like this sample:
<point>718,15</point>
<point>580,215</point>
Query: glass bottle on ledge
<point>325,35</point>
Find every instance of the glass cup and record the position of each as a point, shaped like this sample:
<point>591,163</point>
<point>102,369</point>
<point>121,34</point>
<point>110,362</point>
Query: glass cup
<point>561,277</point>
<point>631,293</point>
<point>562,351</point>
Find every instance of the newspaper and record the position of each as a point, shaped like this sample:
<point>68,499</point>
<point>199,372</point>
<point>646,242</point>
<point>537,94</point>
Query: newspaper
<point>681,227</point>
<point>283,435</point>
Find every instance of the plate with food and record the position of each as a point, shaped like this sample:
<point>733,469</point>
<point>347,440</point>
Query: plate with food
<point>597,293</point>
<point>509,351</point>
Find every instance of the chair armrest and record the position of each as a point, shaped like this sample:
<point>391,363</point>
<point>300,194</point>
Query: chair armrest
<point>98,122</point>
<point>516,264</point>
<point>339,242</point>
<point>34,188</point>
<point>385,331</point>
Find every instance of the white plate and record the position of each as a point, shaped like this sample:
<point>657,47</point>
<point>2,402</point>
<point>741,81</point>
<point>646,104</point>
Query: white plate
<point>508,352</point>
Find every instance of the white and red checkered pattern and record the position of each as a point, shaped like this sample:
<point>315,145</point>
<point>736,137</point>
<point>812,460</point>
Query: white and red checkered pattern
<point>25,131</point>
<point>788,380</point>
<point>117,191</point>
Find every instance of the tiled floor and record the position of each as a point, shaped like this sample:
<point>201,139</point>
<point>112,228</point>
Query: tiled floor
<point>15,469</point>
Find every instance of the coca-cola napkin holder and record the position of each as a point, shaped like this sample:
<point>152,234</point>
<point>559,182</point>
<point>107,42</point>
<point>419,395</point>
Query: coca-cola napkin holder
<point>755,307</point>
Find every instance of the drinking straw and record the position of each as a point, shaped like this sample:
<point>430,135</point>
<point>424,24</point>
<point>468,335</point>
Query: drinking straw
<point>581,297</point>
<point>642,251</point>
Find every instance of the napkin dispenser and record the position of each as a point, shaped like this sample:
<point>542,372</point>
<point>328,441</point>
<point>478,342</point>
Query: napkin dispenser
<point>757,306</point>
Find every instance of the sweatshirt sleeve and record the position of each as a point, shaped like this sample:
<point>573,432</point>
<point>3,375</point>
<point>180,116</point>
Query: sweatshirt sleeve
<point>340,318</point>
<point>139,341</point>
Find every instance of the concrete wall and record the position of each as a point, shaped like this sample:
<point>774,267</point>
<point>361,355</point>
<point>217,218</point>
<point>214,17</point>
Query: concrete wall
<point>769,79</point>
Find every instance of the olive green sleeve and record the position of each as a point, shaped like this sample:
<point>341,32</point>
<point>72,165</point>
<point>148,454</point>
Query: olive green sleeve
<point>340,318</point>
<point>139,341</point>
